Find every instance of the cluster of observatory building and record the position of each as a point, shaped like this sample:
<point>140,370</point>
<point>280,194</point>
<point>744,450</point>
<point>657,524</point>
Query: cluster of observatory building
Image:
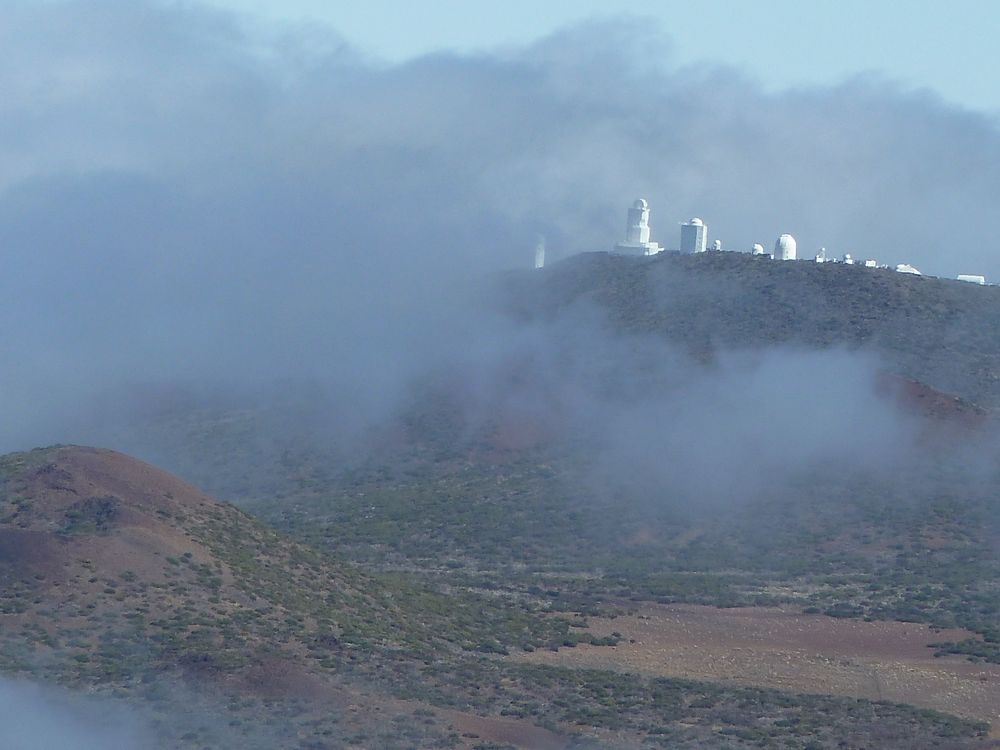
<point>694,239</point>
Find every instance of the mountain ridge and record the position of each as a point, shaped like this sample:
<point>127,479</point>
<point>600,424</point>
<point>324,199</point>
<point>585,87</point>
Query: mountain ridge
<point>940,332</point>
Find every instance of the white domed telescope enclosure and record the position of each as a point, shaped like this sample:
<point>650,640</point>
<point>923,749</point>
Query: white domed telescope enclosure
<point>785,248</point>
<point>637,232</point>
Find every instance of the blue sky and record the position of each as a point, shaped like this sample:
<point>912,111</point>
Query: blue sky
<point>948,47</point>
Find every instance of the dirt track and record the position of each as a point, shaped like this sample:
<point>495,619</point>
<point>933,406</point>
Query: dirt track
<point>791,651</point>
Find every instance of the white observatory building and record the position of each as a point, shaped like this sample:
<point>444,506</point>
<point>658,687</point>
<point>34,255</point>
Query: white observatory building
<point>694,236</point>
<point>637,232</point>
<point>971,278</point>
<point>784,248</point>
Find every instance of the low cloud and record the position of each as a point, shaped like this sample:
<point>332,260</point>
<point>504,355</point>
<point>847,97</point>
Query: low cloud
<point>657,424</point>
<point>33,717</point>
<point>184,197</point>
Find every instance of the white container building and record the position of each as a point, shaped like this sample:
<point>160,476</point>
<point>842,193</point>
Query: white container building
<point>694,236</point>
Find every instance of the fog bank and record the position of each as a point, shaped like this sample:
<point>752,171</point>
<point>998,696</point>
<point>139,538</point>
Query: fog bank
<point>186,198</point>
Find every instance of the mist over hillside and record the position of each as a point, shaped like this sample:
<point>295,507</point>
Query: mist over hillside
<point>682,382</point>
<point>33,718</point>
<point>190,197</point>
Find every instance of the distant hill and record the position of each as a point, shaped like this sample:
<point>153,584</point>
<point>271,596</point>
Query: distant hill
<point>119,577</point>
<point>943,333</point>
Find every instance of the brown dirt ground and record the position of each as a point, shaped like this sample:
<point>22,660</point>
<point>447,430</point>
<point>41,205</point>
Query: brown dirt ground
<point>521,734</point>
<point>778,648</point>
<point>138,538</point>
<point>474,730</point>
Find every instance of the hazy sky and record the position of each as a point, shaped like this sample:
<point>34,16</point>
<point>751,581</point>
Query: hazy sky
<point>949,47</point>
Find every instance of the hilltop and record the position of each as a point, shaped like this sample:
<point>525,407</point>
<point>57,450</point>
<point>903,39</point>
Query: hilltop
<point>943,333</point>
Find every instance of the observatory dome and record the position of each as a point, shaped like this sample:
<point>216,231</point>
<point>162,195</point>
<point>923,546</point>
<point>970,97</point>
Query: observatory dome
<point>696,222</point>
<point>758,249</point>
<point>637,240</point>
<point>784,248</point>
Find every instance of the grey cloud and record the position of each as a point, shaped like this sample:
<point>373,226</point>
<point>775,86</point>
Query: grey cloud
<point>755,423</point>
<point>648,422</point>
<point>184,196</point>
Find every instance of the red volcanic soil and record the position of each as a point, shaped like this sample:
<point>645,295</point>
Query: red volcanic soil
<point>76,472</point>
<point>131,507</point>
<point>920,399</point>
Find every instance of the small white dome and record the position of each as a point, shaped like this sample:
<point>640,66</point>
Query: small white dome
<point>641,203</point>
<point>696,222</point>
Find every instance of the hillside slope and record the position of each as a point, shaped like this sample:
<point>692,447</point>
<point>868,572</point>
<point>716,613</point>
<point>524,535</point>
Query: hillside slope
<point>119,579</point>
<point>118,576</point>
<point>943,333</point>
<point>74,515</point>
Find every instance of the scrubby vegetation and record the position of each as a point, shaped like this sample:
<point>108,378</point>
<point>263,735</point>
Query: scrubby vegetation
<point>684,713</point>
<point>413,569</point>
